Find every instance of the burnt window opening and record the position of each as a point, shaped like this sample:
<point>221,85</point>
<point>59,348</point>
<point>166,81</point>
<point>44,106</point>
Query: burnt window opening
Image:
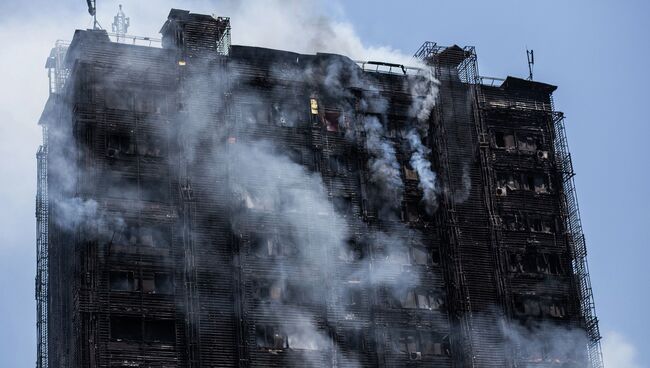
<point>286,115</point>
<point>513,222</point>
<point>296,156</point>
<point>338,164</point>
<point>555,308</point>
<point>147,284</point>
<point>119,145</point>
<point>410,174</point>
<point>410,212</point>
<point>268,291</point>
<point>555,266</point>
<point>351,252</point>
<point>435,257</point>
<point>299,294</point>
<point>332,119</point>
<point>259,201</point>
<point>355,340</point>
<point>417,344</point>
<point>121,187</point>
<point>126,328</point>
<point>504,140</point>
<point>535,182</point>
<point>532,306</point>
<point>253,114</point>
<point>420,299</point>
<point>154,190</point>
<point>527,143</point>
<point>352,295</point>
<point>122,281</point>
<point>527,306</point>
<point>272,247</point>
<point>163,283</point>
<point>157,236</point>
<point>420,256</point>
<point>511,181</point>
<point>270,337</point>
<point>343,205</point>
<point>161,330</point>
<point>152,146</point>
<point>118,99</point>
<point>147,102</point>
<point>541,224</point>
<point>516,262</point>
<point>537,263</point>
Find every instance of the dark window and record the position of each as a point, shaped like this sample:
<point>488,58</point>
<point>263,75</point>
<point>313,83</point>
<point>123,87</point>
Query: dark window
<point>118,99</point>
<point>285,115</point>
<point>554,264</point>
<point>147,285</point>
<point>119,145</point>
<point>352,251</point>
<point>527,143</point>
<point>160,331</point>
<point>410,212</point>
<point>122,281</point>
<point>268,291</point>
<point>352,296</point>
<point>300,294</point>
<point>504,140</point>
<point>154,236</point>
<point>420,256</point>
<point>126,328</point>
<point>535,182</point>
<point>154,189</point>
<point>272,247</point>
<point>122,187</point>
<point>254,114</point>
<point>270,337</point>
<point>332,120</point>
<point>355,340</point>
<point>435,257</point>
<point>508,180</point>
<point>152,146</point>
<point>527,306</point>
<point>417,344</point>
<point>343,205</point>
<point>163,283</point>
<point>149,102</point>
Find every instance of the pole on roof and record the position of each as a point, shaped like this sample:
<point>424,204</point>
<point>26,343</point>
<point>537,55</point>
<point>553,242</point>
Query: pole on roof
<point>531,62</point>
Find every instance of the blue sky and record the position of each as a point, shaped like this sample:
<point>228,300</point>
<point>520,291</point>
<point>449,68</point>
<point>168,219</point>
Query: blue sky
<point>595,51</point>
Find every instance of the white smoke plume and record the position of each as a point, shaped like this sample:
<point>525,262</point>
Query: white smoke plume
<point>420,163</point>
<point>383,165</point>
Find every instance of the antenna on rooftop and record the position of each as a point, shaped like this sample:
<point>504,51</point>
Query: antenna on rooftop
<point>531,63</point>
<point>92,10</point>
<point>120,24</point>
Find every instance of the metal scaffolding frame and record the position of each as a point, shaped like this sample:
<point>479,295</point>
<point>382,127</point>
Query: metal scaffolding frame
<point>57,74</point>
<point>576,239</point>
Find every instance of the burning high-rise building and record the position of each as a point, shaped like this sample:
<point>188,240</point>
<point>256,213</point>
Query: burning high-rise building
<point>209,205</point>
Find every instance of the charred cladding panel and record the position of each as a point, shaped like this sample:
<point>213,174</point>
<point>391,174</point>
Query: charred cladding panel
<point>262,208</point>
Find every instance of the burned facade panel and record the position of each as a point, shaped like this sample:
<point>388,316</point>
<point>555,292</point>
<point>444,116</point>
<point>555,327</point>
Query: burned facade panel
<point>217,205</point>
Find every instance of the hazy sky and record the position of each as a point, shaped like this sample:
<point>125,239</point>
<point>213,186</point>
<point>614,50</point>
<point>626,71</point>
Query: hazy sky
<point>595,51</point>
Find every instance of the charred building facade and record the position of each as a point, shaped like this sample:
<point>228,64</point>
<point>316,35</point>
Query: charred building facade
<point>209,205</point>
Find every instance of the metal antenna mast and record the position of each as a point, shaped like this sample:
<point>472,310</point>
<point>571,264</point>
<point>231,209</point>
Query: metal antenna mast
<point>531,63</point>
<point>120,24</point>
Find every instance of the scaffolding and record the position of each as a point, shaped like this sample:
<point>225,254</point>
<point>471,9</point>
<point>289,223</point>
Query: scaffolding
<point>57,74</point>
<point>576,239</point>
